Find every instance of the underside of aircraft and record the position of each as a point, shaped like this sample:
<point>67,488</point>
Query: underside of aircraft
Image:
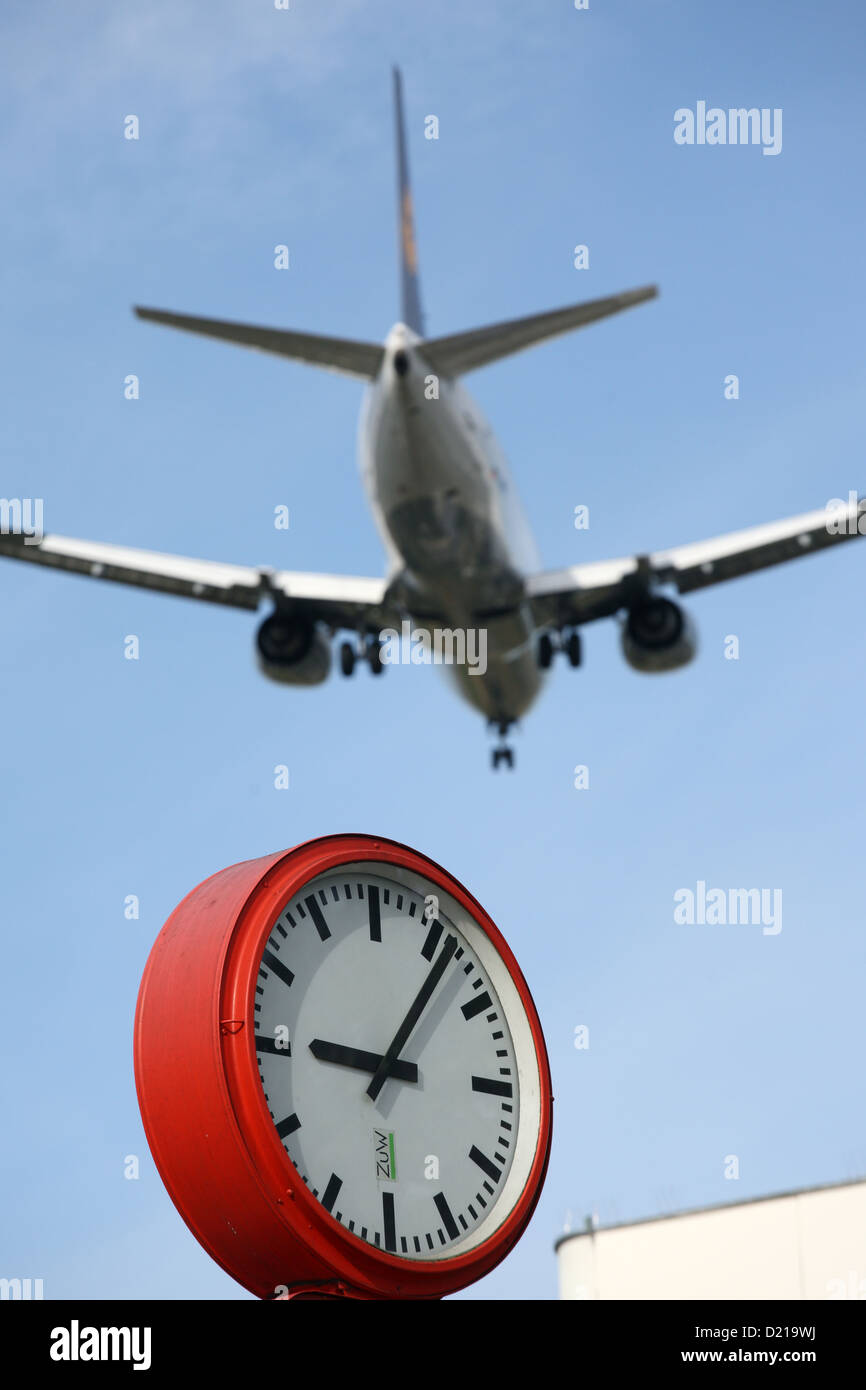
<point>449,520</point>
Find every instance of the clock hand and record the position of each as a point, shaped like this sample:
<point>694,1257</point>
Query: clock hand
<point>360,1060</point>
<point>419,1004</point>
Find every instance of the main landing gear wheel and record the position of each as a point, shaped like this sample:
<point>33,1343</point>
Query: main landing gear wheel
<point>369,649</point>
<point>549,645</point>
<point>545,651</point>
<point>374,655</point>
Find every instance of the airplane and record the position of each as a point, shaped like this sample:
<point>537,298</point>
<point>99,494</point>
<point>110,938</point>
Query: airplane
<point>460,555</point>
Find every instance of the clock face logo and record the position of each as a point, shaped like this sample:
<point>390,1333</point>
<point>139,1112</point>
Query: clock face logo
<point>346,1028</point>
<point>388,1060</point>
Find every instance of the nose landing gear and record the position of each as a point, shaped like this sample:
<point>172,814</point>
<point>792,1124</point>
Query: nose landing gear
<point>503,752</point>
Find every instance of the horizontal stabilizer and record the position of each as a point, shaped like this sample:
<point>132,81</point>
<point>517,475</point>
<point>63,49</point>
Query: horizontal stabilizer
<point>463,352</point>
<point>338,354</point>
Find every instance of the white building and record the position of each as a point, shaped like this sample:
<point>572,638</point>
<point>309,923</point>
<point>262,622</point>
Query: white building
<point>809,1244</point>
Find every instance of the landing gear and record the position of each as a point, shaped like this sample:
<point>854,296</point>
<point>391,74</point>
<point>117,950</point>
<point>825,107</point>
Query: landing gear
<point>549,644</point>
<point>367,649</point>
<point>502,753</point>
<point>572,648</point>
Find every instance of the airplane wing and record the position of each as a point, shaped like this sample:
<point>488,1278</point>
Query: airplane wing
<point>337,600</point>
<point>582,593</point>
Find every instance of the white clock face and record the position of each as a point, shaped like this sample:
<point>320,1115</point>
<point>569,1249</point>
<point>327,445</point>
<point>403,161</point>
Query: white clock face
<point>397,1061</point>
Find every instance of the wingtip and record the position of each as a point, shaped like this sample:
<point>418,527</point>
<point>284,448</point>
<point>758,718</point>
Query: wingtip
<point>643,295</point>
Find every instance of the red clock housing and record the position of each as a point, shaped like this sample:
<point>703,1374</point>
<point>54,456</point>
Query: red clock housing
<point>204,1111</point>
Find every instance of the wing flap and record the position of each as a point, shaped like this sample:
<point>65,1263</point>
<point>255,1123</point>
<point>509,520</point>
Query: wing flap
<point>340,600</point>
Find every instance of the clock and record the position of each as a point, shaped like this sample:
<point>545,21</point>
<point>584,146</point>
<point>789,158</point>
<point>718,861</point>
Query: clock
<point>342,1075</point>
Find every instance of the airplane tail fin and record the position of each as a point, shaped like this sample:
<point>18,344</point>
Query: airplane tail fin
<point>450,356</point>
<point>410,290</point>
<point>345,355</point>
<point>463,352</point>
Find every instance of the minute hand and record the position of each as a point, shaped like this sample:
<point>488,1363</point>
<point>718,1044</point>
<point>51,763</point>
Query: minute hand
<point>418,1006</point>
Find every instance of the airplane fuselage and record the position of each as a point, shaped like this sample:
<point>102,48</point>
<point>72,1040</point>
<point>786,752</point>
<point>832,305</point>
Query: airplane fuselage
<point>457,541</point>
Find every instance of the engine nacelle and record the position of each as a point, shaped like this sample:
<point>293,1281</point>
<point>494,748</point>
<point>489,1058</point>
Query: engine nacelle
<point>658,636</point>
<point>292,650</point>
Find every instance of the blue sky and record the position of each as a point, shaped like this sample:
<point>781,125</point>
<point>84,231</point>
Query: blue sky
<point>261,127</point>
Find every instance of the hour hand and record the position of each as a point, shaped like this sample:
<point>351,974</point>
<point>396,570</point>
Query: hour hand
<point>360,1060</point>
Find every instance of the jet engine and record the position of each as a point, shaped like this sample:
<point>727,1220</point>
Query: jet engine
<point>658,636</point>
<point>292,650</point>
